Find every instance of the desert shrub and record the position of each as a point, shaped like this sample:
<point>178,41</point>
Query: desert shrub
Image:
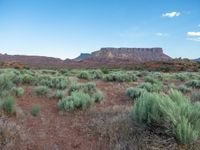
<point>51,72</point>
<point>58,94</point>
<point>184,89</point>
<point>181,76</point>
<point>97,74</point>
<point>17,91</point>
<point>74,87</point>
<point>159,76</point>
<point>27,79</point>
<point>196,97</point>
<point>174,111</point>
<point>143,73</point>
<point>4,93</point>
<point>41,90</point>
<point>25,71</point>
<point>77,100</point>
<point>185,133</point>
<point>120,77</point>
<point>105,71</point>
<point>84,75</point>
<point>8,105</point>
<point>193,84</point>
<point>59,83</point>
<point>85,87</point>
<point>5,82</point>
<point>151,87</point>
<point>11,134</point>
<point>44,80</point>
<point>97,96</point>
<point>14,76</point>
<point>35,110</point>
<point>134,93</point>
<point>64,72</point>
<point>150,79</point>
<point>171,86</point>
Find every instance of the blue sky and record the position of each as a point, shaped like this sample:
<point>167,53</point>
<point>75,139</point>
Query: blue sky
<point>65,28</point>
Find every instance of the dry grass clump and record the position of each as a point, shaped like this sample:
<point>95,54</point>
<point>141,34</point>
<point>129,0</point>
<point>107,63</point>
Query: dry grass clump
<point>10,135</point>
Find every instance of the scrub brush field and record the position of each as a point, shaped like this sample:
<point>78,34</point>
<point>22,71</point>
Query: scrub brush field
<point>99,109</point>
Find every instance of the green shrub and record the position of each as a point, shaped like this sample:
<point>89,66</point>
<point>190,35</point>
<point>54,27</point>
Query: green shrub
<point>181,76</point>
<point>8,105</point>
<point>35,110</point>
<point>195,97</point>
<point>85,87</point>
<point>4,93</point>
<point>193,84</point>
<point>158,76</point>
<point>41,90</point>
<point>185,133</point>
<point>184,89</point>
<point>78,100</point>
<point>58,94</point>
<point>74,87</point>
<point>150,79</point>
<point>64,72</point>
<point>17,91</point>
<point>151,87</point>
<point>51,72</point>
<point>59,83</point>
<point>134,93</point>
<point>14,76</point>
<point>45,81</point>
<point>172,86</point>
<point>120,77</point>
<point>174,111</point>
<point>143,73</point>
<point>5,82</point>
<point>97,74</point>
<point>98,96</point>
<point>84,75</point>
<point>105,71</point>
<point>27,79</point>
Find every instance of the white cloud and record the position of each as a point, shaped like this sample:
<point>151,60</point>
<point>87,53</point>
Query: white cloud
<point>193,34</point>
<point>161,34</point>
<point>171,14</point>
<point>194,39</point>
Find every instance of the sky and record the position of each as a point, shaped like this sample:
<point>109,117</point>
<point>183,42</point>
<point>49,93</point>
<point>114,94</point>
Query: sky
<point>66,28</point>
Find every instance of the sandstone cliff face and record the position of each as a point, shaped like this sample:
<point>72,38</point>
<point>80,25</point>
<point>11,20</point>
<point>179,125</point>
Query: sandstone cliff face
<point>133,54</point>
<point>82,56</point>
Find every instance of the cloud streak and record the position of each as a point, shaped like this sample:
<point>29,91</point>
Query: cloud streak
<point>193,34</point>
<point>171,14</point>
<point>161,34</point>
<point>194,39</point>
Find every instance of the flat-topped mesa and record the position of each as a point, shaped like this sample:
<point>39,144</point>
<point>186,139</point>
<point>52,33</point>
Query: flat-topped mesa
<point>133,54</point>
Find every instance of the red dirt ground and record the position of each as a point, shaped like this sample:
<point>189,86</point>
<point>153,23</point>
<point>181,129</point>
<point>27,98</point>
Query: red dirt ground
<point>56,130</point>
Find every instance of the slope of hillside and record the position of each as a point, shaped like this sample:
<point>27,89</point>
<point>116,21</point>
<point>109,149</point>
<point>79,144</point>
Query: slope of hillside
<point>198,59</point>
<point>36,61</point>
